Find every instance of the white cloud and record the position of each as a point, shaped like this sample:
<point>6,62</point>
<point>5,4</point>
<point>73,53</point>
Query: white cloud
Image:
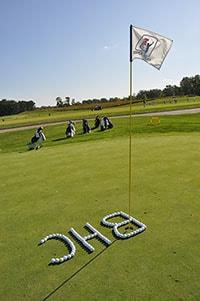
<point>110,47</point>
<point>106,47</point>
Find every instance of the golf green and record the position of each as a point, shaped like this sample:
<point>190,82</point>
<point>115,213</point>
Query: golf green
<point>69,184</point>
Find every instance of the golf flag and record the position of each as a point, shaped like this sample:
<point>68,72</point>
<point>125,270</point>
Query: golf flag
<point>148,46</point>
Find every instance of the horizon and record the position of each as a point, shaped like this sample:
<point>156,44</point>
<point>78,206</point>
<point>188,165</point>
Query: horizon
<point>123,98</point>
<point>81,50</point>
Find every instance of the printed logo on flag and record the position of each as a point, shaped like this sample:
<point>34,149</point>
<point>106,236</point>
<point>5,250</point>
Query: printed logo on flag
<point>145,46</point>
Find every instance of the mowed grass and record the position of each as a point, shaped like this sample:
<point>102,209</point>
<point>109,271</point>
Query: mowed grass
<point>50,115</point>
<point>70,182</point>
<point>17,141</point>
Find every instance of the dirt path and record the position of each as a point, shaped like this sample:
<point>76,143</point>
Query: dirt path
<point>164,113</point>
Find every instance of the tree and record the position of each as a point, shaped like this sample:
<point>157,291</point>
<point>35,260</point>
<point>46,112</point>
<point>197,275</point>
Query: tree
<point>73,101</point>
<point>9,107</point>
<point>67,101</point>
<point>196,84</point>
<point>142,94</point>
<point>103,99</point>
<point>187,86</point>
<point>168,91</point>
<point>59,102</point>
<point>154,93</point>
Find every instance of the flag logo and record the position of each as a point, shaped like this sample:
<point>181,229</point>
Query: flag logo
<point>145,46</point>
<point>148,46</point>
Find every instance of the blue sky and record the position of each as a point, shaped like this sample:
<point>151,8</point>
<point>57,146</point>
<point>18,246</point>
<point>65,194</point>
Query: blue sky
<point>80,48</point>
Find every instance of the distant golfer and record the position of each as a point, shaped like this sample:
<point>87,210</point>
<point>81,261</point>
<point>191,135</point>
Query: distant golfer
<point>37,139</point>
<point>70,130</point>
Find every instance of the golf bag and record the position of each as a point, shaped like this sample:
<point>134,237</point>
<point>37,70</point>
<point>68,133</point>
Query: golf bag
<point>36,141</point>
<point>96,123</point>
<point>86,128</point>
<point>106,124</point>
<point>70,130</point>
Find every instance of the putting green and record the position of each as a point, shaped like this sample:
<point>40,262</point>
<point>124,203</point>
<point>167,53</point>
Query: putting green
<point>56,188</point>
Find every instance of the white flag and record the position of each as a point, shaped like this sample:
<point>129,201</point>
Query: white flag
<point>149,46</point>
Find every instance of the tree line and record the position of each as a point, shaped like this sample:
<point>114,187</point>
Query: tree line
<point>10,107</point>
<point>189,86</point>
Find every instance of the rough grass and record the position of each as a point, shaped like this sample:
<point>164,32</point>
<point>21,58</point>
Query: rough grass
<point>68,183</point>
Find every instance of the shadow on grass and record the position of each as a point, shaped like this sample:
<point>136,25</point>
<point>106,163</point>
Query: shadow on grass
<point>76,273</point>
<point>59,139</point>
<point>80,134</point>
<point>66,138</point>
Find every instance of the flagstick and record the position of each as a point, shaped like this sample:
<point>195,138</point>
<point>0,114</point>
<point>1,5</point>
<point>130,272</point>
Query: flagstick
<point>130,129</point>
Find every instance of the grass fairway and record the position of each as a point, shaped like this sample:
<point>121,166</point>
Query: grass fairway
<point>53,115</point>
<point>70,182</point>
